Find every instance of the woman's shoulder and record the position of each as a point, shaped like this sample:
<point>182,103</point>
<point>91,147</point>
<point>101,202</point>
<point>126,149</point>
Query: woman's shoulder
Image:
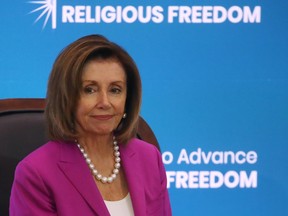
<point>46,153</point>
<point>145,157</point>
<point>142,148</point>
<point>47,148</point>
<point>142,145</point>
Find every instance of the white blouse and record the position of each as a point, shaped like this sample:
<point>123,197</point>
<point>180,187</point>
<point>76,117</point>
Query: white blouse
<point>121,207</point>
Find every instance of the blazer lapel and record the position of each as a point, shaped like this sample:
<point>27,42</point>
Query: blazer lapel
<point>76,170</point>
<point>131,166</point>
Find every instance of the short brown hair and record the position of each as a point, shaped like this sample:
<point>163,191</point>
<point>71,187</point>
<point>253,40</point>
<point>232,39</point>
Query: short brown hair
<point>65,82</point>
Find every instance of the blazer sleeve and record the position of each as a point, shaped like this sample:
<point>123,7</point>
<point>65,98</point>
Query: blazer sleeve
<point>29,196</point>
<point>165,195</point>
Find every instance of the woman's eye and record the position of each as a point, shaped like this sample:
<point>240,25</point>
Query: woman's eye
<point>116,90</point>
<point>89,90</point>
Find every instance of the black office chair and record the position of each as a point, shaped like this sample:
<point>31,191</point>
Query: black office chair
<point>22,130</point>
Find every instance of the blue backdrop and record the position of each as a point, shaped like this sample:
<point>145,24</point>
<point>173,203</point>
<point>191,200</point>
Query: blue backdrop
<point>215,87</point>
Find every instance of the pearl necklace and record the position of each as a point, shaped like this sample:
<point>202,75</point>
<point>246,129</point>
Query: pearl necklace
<point>95,172</point>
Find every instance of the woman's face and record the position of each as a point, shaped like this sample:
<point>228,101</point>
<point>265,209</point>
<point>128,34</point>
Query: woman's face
<point>102,98</point>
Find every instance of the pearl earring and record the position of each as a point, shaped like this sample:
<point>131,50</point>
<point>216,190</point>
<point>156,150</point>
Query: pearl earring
<point>124,115</point>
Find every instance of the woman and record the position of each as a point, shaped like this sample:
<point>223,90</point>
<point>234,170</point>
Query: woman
<point>93,103</point>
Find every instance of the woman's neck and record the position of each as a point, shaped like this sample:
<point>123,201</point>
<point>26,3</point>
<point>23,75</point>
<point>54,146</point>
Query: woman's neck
<point>98,145</point>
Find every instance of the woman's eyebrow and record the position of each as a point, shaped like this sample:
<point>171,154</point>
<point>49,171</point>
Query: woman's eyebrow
<point>90,81</point>
<point>112,82</point>
<point>118,82</point>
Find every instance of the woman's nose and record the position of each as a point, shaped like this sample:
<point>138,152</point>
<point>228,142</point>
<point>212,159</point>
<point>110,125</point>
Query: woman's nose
<point>103,100</point>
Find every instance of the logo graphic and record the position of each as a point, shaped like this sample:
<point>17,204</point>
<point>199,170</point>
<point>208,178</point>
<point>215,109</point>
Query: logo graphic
<point>48,8</point>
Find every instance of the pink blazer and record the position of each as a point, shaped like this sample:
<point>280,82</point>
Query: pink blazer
<point>55,180</point>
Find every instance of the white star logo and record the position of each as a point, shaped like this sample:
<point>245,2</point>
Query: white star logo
<point>48,8</point>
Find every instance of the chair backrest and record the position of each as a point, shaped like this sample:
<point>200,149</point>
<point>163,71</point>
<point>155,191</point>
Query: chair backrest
<point>22,130</point>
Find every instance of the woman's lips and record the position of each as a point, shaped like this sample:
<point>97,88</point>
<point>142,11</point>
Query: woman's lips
<point>102,117</point>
